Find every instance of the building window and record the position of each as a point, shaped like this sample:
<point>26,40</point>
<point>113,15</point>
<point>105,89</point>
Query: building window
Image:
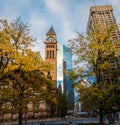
<point>53,53</point>
<point>50,53</point>
<point>47,54</point>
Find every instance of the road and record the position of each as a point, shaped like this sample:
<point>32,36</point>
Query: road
<point>67,121</point>
<point>56,121</point>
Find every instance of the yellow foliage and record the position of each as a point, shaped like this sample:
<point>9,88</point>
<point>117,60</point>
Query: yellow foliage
<point>15,52</point>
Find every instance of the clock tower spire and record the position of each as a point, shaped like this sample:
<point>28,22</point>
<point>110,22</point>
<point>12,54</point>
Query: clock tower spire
<point>51,31</point>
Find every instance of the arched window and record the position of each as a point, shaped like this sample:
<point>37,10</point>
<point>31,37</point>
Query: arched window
<point>50,54</point>
<point>47,54</point>
<point>53,53</point>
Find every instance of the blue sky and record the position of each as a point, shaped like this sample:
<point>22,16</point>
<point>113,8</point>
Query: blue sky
<point>66,16</point>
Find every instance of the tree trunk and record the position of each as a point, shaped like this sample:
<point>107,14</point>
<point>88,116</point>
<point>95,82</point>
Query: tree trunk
<point>20,116</point>
<point>20,108</point>
<point>101,116</point>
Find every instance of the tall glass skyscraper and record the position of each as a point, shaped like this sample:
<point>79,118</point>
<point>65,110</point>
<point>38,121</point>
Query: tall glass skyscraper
<point>64,83</point>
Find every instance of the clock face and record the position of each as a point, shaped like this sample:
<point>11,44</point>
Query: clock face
<point>50,39</point>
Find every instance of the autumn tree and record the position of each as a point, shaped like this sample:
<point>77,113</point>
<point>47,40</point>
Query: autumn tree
<point>97,55</point>
<point>23,76</point>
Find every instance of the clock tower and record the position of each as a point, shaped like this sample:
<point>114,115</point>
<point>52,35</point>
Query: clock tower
<point>51,53</point>
<point>51,57</point>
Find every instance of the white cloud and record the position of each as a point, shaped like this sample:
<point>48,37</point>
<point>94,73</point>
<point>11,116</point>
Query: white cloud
<point>39,25</point>
<point>60,9</point>
<point>37,21</point>
<point>115,2</point>
<point>56,7</point>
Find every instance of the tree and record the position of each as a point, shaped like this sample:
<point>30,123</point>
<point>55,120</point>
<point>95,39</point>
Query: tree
<point>97,55</point>
<point>23,76</point>
<point>62,104</point>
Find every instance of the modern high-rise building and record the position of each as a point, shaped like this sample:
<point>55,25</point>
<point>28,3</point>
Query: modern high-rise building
<point>102,17</point>
<point>64,83</point>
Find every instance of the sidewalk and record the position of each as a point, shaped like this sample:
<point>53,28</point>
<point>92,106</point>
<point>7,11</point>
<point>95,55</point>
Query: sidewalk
<point>117,122</point>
